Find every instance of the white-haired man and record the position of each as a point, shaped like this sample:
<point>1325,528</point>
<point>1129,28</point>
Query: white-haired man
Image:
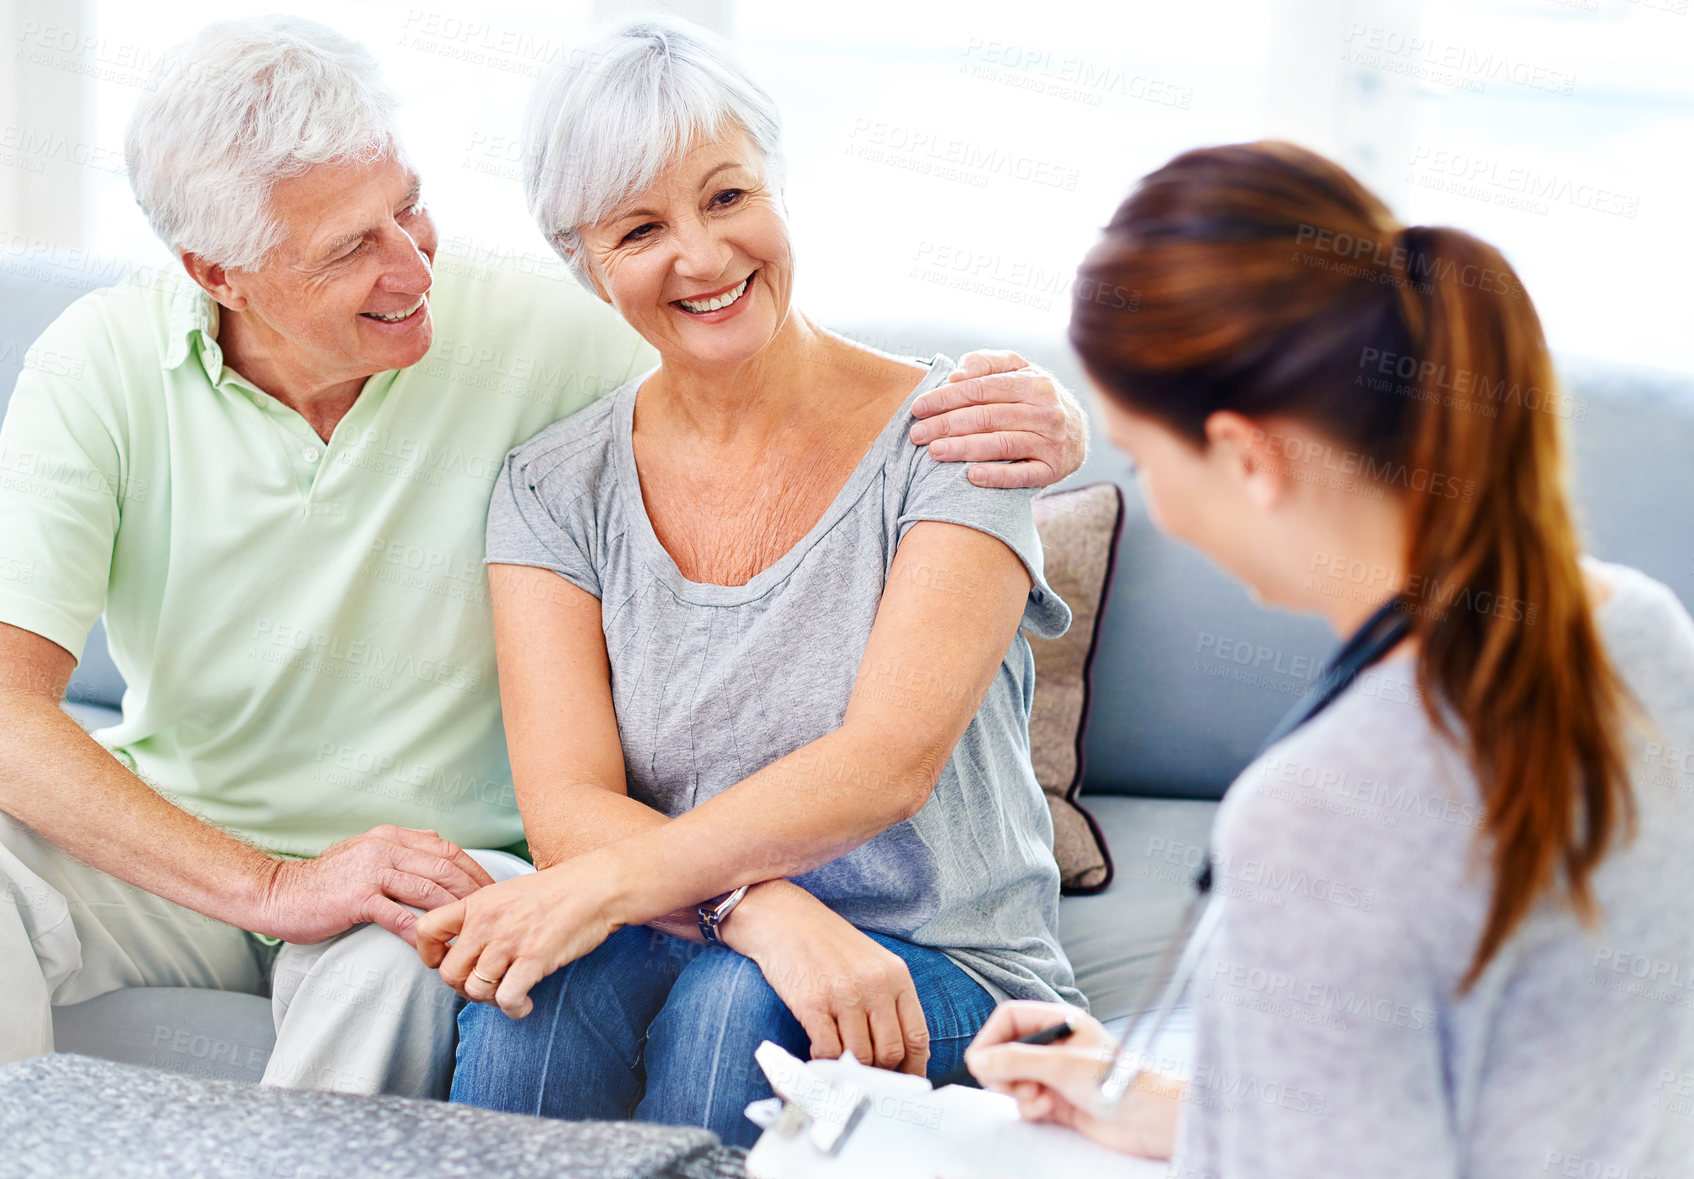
<point>273,481</point>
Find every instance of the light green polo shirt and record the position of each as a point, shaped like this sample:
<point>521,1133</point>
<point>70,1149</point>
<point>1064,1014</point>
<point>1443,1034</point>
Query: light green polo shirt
<point>304,628</point>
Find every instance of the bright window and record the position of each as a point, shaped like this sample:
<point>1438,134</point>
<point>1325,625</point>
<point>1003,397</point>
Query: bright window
<point>952,161</point>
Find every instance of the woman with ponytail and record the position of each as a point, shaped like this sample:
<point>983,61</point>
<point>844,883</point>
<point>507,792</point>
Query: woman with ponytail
<point>1454,919</point>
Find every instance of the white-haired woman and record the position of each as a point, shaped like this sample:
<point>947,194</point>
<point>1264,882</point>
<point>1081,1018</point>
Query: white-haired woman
<point>764,686</point>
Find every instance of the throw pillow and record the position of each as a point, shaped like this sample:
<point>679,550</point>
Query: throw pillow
<point>1079,529</point>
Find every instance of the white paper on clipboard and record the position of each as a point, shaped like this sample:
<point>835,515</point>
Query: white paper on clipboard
<point>911,1131</point>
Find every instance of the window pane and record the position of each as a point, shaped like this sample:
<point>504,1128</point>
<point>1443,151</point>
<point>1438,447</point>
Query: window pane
<point>462,76</point>
<point>948,165</point>
<point>952,161</point>
<point>1566,146</point>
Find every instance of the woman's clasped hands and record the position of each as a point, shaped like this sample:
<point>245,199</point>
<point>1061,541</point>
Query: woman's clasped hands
<point>495,944</point>
<point>850,994</point>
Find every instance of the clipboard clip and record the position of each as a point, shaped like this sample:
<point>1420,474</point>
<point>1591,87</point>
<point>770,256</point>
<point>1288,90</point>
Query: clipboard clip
<point>825,1113</point>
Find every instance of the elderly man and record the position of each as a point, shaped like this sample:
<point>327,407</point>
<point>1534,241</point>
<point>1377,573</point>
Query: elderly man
<point>273,481</point>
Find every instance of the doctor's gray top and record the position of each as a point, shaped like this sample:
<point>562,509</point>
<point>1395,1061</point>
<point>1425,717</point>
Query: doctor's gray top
<point>1331,1039</point>
<point>713,682</point>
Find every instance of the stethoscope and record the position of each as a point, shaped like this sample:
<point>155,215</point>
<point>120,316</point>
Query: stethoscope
<point>1380,634</point>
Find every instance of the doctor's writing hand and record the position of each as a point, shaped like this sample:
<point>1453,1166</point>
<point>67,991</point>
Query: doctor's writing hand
<point>1060,1083</point>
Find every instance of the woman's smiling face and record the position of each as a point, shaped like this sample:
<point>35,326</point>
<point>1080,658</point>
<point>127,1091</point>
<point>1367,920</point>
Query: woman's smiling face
<point>700,263</point>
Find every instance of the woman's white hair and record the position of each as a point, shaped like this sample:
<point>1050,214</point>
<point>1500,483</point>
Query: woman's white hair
<point>240,106</point>
<point>605,120</point>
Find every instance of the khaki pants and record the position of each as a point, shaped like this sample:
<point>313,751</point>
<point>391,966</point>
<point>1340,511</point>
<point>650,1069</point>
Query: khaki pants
<point>358,1013</point>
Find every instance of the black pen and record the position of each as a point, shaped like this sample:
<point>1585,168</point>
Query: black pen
<point>1052,1035</point>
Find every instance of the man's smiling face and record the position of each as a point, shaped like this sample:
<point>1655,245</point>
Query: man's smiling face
<point>345,293</point>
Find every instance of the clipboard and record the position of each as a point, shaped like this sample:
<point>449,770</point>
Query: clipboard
<point>832,1119</point>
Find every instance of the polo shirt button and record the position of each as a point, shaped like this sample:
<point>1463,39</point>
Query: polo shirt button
<point>310,455</point>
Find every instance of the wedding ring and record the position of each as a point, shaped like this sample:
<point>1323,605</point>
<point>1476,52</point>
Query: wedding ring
<point>493,982</point>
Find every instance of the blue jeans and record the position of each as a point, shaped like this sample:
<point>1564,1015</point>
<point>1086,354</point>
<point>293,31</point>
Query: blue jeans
<point>661,1029</point>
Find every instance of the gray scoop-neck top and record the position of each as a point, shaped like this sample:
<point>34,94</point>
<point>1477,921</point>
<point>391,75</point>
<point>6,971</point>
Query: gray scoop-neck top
<point>711,682</point>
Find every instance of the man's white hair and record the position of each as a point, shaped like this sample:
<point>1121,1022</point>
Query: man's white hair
<point>240,106</point>
<point>606,119</point>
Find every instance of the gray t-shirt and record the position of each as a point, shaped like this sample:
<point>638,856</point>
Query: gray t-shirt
<point>713,682</point>
<point>1330,1038</point>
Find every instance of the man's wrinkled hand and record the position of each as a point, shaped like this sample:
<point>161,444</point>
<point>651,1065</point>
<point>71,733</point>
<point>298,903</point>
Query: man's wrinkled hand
<point>1006,416</point>
<point>369,878</point>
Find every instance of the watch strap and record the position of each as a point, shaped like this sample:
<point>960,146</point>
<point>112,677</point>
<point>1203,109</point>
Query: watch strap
<point>713,913</point>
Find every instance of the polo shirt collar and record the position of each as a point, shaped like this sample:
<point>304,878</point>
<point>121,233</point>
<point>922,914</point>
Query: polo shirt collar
<point>193,329</point>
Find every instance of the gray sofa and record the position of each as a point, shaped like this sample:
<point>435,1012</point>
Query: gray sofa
<point>1189,677</point>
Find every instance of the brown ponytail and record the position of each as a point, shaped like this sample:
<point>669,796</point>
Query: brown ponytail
<point>1263,279</point>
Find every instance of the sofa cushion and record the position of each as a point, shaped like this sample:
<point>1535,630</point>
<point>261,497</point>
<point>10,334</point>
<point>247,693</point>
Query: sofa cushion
<point>96,680</point>
<point>1114,939</point>
<point>1079,534</point>
<point>220,1034</point>
<point>1192,674</point>
<point>152,1123</point>
<point>91,716</point>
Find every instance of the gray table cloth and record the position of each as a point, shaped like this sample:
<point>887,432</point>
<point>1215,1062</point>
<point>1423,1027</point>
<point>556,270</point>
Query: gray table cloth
<point>66,1115</point>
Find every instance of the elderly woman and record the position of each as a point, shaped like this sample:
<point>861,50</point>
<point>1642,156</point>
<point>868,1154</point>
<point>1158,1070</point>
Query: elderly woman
<point>764,686</point>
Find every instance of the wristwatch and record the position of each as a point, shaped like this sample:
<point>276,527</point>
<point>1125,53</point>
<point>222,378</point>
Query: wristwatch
<point>714,911</point>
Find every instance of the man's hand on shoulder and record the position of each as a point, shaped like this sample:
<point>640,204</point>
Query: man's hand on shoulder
<point>370,877</point>
<point>1009,418</point>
